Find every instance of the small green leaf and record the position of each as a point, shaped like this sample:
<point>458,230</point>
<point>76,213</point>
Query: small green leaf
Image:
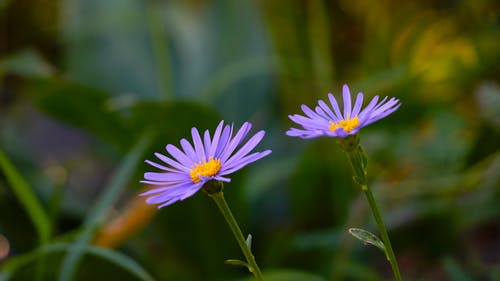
<point>237,263</point>
<point>249,241</point>
<point>367,237</point>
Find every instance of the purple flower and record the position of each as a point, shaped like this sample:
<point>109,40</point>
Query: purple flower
<point>325,122</point>
<point>210,159</point>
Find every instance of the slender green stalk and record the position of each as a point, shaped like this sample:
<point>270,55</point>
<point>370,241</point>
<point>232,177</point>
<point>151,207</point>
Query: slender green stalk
<point>160,51</point>
<point>383,232</point>
<point>32,205</point>
<point>357,159</point>
<point>218,197</point>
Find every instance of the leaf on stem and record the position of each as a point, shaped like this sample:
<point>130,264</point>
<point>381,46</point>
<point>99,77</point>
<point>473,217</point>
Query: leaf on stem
<point>237,263</point>
<point>367,238</point>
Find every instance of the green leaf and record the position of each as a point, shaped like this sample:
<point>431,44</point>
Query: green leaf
<point>171,116</point>
<point>170,121</point>
<point>106,200</point>
<point>117,258</point>
<point>237,263</point>
<point>367,237</point>
<point>28,199</point>
<point>26,63</point>
<point>121,260</point>
<point>82,107</point>
<point>288,275</point>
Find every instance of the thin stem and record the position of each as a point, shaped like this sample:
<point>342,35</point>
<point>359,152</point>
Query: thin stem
<point>383,232</point>
<point>357,159</point>
<point>228,215</point>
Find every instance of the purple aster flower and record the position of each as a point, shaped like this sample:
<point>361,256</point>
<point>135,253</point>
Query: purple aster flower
<point>324,121</point>
<point>210,159</point>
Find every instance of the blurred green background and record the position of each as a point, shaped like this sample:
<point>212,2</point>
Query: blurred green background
<point>91,88</point>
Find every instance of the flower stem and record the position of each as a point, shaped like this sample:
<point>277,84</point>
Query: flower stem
<point>357,159</point>
<point>383,232</point>
<point>218,197</point>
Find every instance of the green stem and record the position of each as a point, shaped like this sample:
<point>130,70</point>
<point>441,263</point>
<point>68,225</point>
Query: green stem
<point>228,215</point>
<point>383,232</point>
<point>357,159</point>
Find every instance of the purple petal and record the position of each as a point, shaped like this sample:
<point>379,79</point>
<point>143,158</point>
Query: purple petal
<point>341,133</point>
<point>392,102</point>
<point>168,189</point>
<point>224,140</point>
<point>309,112</point>
<point>207,142</point>
<point>242,132</point>
<point>305,134</point>
<point>335,106</point>
<point>307,122</point>
<point>366,111</point>
<point>251,144</point>
<point>382,115</point>
<point>346,94</point>
<point>161,167</point>
<point>244,161</point>
<point>179,156</point>
<point>325,107</point>
<point>189,150</point>
<point>171,162</point>
<point>161,183</point>
<point>357,105</point>
<point>173,193</point>
<point>187,194</point>
<point>198,145</point>
<point>215,140</point>
<point>224,179</point>
<point>166,177</point>
<point>322,113</point>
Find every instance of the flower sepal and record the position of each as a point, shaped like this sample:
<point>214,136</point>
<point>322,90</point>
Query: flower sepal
<point>349,143</point>
<point>213,187</point>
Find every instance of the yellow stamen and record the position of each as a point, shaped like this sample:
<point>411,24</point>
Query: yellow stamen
<point>205,169</point>
<point>348,125</point>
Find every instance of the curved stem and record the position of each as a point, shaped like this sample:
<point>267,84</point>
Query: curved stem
<point>357,159</point>
<point>218,197</point>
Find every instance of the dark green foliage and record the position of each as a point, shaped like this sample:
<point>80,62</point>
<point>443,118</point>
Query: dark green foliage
<point>82,81</point>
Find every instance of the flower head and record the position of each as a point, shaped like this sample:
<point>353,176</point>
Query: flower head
<point>212,158</point>
<point>324,121</point>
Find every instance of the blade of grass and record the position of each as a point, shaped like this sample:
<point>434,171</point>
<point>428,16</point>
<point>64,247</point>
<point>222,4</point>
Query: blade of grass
<point>107,199</point>
<point>320,44</point>
<point>160,51</point>
<point>28,199</point>
<point>117,258</point>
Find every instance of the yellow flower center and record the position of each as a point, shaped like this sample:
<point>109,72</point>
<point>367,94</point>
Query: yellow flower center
<point>348,125</point>
<point>205,169</point>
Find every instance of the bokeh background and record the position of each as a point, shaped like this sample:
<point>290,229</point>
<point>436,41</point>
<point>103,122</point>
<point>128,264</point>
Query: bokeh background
<point>91,88</point>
